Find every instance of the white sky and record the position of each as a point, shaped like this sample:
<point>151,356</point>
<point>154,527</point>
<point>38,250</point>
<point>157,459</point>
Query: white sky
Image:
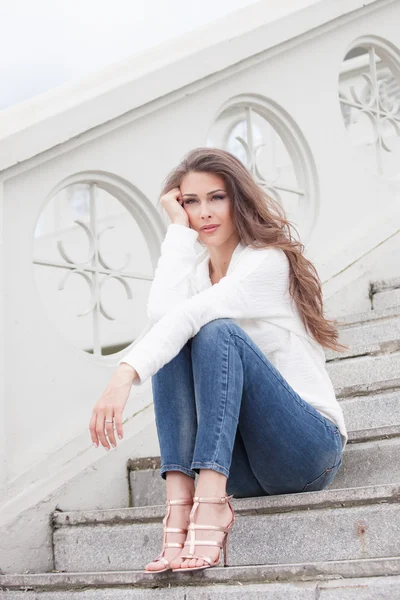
<point>45,43</point>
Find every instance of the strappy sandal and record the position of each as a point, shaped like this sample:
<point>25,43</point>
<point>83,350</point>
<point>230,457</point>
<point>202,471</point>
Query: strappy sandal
<point>166,544</point>
<point>192,538</point>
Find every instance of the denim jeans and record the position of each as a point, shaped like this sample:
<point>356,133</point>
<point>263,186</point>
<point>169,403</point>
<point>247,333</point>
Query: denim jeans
<point>220,404</point>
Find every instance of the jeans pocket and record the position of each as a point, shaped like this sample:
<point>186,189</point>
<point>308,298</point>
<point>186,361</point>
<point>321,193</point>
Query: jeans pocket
<point>322,480</point>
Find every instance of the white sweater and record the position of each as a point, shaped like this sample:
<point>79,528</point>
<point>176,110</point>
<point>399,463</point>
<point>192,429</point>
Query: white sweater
<point>254,293</point>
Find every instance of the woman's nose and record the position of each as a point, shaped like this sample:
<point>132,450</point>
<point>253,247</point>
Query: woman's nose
<point>205,211</point>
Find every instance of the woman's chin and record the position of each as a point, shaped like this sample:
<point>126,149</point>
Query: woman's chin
<point>212,244</point>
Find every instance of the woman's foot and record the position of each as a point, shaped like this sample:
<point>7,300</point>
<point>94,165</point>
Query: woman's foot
<point>178,517</point>
<point>206,514</point>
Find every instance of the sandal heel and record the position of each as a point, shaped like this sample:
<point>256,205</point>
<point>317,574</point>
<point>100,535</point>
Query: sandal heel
<point>225,549</point>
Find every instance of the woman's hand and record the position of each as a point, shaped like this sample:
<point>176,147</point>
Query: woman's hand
<point>173,204</point>
<point>110,406</point>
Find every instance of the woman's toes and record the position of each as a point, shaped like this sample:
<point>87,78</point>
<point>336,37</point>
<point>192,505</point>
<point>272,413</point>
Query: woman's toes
<point>176,563</point>
<point>153,566</point>
<point>200,562</point>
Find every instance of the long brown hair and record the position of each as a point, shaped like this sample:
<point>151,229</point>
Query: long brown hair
<point>261,222</point>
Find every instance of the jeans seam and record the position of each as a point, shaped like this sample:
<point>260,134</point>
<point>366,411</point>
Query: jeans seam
<point>205,464</point>
<point>170,466</point>
<point>213,463</point>
<point>284,383</point>
<point>224,410</point>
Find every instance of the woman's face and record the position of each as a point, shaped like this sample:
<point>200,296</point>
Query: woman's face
<point>206,202</point>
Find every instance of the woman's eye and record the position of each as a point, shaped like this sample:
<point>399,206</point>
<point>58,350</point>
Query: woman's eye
<point>194,199</point>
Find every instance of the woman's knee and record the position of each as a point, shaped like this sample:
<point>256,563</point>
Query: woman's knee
<point>211,330</point>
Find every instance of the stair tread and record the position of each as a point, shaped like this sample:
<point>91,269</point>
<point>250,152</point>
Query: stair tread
<point>364,567</point>
<point>356,318</point>
<point>340,497</point>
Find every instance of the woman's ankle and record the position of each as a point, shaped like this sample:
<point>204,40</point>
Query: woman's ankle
<point>211,483</point>
<point>179,485</point>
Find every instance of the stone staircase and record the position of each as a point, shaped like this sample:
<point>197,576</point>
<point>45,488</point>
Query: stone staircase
<point>342,543</point>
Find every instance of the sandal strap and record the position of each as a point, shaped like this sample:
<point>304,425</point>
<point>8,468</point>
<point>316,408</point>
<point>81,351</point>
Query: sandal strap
<point>171,529</point>
<point>167,545</point>
<point>212,499</point>
<point>211,527</point>
<point>192,541</point>
<point>163,559</point>
<point>205,543</point>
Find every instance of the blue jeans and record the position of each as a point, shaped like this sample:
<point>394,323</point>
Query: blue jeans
<point>220,404</point>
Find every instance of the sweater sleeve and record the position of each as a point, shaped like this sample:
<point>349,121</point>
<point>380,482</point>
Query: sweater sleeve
<point>171,282</point>
<point>256,288</point>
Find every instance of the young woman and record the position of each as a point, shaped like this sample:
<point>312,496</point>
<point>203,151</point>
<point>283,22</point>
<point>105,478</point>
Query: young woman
<point>235,354</point>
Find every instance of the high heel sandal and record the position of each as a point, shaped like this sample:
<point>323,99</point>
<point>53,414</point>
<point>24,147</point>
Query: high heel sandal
<point>192,538</point>
<point>166,544</point>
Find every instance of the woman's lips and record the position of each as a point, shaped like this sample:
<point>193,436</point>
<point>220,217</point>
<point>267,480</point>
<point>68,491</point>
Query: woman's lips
<point>210,230</point>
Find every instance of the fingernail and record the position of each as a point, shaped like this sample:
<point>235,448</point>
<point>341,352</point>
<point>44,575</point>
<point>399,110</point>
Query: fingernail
<point>113,445</point>
<point>95,445</point>
<point>107,448</point>
<point>120,436</point>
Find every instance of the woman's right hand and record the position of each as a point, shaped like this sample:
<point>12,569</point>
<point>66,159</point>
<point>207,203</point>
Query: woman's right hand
<point>172,202</point>
<point>107,412</point>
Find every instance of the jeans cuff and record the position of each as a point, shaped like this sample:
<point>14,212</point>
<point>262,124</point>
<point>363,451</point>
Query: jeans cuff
<point>197,465</point>
<point>173,467</point>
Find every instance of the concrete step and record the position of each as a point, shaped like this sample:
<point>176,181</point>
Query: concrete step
<point>379,329</point>
<point>370,418</point>
<point>146,485</point>
<point>371,457</point>
<point>374,338</point>
<point>368,519</point>
<point>371,349</point>
<point>370,411</point>
<point>362,579</point>
<point>365,374</point>
<point>370,462</point>
<point>385,293</point>
<point>368,317</point>
<point>386,299</point>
